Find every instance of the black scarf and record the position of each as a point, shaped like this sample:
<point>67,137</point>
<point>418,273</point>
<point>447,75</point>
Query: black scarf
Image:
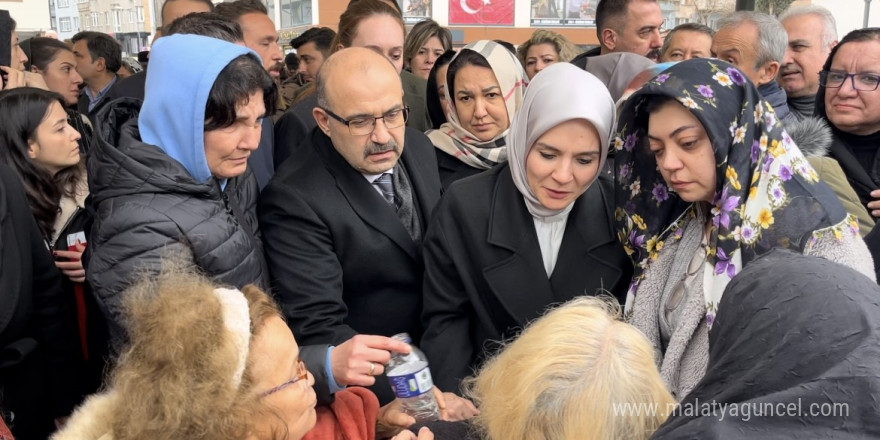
<point>792,332</point>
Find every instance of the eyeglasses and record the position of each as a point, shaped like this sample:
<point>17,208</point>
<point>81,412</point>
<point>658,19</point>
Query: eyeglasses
<point>364,125</point>
<point>301,374</point>
<point>865,82</point>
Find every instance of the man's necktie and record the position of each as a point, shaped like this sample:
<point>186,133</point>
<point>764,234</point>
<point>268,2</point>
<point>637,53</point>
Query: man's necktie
<point>386,187</point>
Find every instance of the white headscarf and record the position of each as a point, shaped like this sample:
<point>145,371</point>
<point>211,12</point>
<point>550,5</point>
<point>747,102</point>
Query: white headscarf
<point>559,93</point>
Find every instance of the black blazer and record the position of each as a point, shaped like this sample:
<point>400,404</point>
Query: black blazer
<point>341,261</point>
<point>40,365</point>
<point>484,274</point>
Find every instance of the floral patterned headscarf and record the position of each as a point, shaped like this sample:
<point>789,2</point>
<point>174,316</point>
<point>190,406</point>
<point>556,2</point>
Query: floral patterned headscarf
<point>767,195</point>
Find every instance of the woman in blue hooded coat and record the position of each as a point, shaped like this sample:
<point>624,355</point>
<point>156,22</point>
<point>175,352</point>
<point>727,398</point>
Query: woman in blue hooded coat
<point>173,180</point>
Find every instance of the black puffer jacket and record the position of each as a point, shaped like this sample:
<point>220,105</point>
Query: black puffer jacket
<point>147,207</point>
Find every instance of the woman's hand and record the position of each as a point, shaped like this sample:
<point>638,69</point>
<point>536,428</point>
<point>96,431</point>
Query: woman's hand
<point>19,78</point>
<point>72,268</point>
<point>392,420</point>
<point>874,205</point>
<point>424,434</point>
<point>14,78</point>
<point>454,408</point>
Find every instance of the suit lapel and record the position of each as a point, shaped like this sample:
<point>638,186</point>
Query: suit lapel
<point>421,170</point>
<point>364,200</point>
<point>518,281</point>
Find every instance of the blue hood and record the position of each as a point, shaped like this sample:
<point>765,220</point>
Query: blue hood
<point>182,71</point>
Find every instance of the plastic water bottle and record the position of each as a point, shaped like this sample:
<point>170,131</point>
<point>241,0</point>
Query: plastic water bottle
<point>411,382</point>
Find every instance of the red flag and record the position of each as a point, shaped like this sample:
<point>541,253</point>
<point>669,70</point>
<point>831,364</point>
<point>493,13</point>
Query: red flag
<point>491,12</point>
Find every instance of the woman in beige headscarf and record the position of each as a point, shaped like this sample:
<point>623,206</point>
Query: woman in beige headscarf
<point>484,88</point>
<point>504,245</point>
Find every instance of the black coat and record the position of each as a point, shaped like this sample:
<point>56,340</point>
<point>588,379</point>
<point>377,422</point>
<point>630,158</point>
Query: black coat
<point>38,346</point>
<point>148,207</point>
<point>484,274</point>
<point>341,261</point>
<point>452,169</point>
<point>794,351</point>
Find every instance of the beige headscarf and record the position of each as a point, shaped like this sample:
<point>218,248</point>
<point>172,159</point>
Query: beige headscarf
<point>559,93</point>
<point>454,140</point>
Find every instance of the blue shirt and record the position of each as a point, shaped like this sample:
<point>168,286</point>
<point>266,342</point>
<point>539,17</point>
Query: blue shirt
<point>93,100</point>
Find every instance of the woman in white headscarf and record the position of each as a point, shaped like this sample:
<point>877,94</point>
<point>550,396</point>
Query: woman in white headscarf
<point>507,243</point>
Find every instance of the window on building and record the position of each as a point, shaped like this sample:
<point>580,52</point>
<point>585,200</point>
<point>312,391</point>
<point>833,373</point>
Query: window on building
<point>140,13</point>
<point>63,3</point>
<point>296,13</point>
<point>76,24</point>
<point>107,18</point>
<point>64,24</point>
<point>94,19</point>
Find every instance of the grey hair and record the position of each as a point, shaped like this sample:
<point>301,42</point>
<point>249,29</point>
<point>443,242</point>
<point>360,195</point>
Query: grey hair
<point>772,39</point>
<point>829,24</point>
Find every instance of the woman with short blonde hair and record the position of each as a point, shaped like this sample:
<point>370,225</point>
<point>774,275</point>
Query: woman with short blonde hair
<point>557,48</point>
<point>573,374</point>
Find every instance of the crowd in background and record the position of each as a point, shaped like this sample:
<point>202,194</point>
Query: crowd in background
<point>221,241</point>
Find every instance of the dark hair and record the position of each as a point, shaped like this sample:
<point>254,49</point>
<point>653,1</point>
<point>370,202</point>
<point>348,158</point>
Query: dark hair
<point>435,112</point>
<point>234,10</point>
<point>42,51</point>
<point>507,45</point>
<point>207,3</point>
<point>691,27</point>
<point>241,78</point>
<point>102,46</point>
<point>858,35</point>
<point>393,3</point>
<point>321,36</point>
<point>207,24</point>
<point>610,14</point>
<point>358,11</point>
<point>292,62</point>
<point>466,57</point>
<point>22,110</point>
<point>653,103</point>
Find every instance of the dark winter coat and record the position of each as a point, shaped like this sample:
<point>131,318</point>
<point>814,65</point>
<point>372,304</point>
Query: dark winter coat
<point>149,207</point>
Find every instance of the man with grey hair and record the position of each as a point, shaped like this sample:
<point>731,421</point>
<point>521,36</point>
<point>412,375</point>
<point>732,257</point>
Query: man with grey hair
<point>755,42</point>
<point>812,33</point>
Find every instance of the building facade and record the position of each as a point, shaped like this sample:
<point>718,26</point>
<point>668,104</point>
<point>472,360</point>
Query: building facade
<point>126,20</point>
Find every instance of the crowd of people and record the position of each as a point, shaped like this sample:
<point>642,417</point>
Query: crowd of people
<point>221,243</point>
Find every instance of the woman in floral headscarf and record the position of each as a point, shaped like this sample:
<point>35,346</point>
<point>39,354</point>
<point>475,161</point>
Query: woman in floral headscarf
<point>484,89</point>
<point>707,179</point>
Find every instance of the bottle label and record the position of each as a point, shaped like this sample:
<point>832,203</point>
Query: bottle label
<point>412,385</point>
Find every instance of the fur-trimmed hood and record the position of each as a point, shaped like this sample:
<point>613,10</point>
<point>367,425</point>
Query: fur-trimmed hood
<point>93,420</point>
<point>812,135</point>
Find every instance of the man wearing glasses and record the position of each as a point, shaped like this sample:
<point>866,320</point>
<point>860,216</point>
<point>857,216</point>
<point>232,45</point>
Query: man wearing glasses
<point>343,226</point>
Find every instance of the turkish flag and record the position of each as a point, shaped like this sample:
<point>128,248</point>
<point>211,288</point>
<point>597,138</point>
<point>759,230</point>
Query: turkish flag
<point>492,12</point>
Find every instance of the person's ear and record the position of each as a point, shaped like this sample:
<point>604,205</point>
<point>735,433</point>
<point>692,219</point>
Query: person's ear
<point>323,119</point>
<point>33,148</point>
<point>768,72</point>
<point>609,38</point>
<point>100,64</point>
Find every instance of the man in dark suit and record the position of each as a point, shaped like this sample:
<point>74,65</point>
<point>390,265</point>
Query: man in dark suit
<point>342,225</point>
<point>293,128</point>
<point>98,57</point>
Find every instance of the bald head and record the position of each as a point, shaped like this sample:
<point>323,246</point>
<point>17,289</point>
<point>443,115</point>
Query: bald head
<point>353,67</point>
<point>360,108</point>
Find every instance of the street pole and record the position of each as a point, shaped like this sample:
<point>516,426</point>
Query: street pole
<point>867,13</point>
